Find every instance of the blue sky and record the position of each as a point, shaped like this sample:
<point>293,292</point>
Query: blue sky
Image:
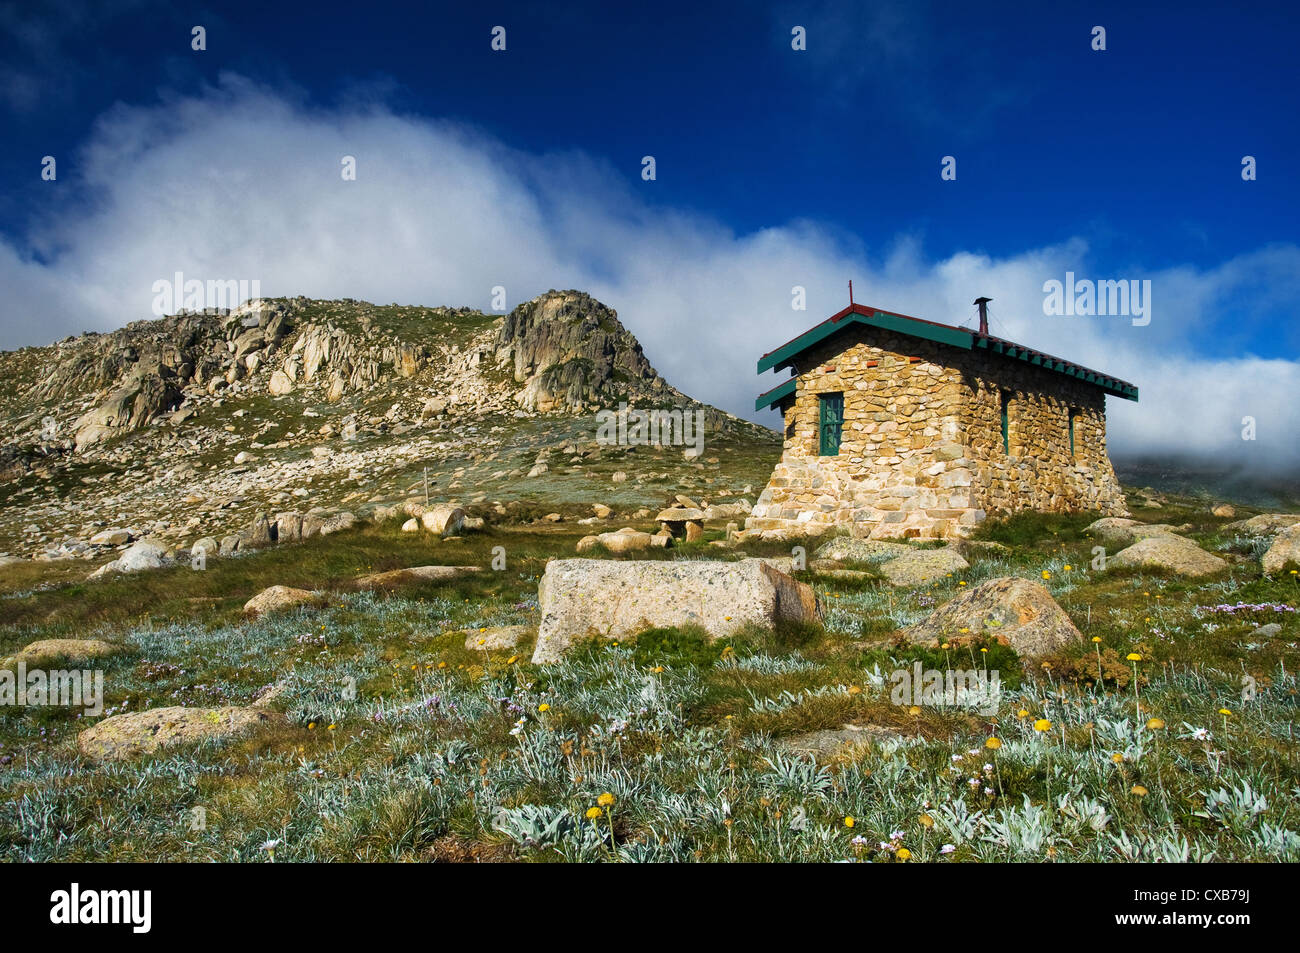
<point>775,167</point>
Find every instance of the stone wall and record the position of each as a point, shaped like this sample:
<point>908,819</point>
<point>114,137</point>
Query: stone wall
<point>921,448</point>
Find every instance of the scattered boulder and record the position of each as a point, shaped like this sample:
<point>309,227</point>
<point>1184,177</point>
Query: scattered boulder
<point>70,651</point>
<point>406,577</point>
<point>276,598</point>
<point>538,469</point>
<point>411,526</point>
<point>849,549</point>
<point>139,557</point>
<point>1265,524</point>
<point>497,638</point>
<point>1019,612</point>
<point>288,526</point>
<point>230,545</point>
<point>1285,549</point>
<point>919,566</point>
<point>601,510</point>
<point>145,732</point>
<point>829,743</point>
<point>260,532</point>
<point>1122,531</point>
<point>1225,510</point>
<point>334,524</point>
<point>615,598</point>
<point>1174,553</point>
<point>281,384</point>
<point>444,520</point>
<point>1268,631</point>
<point>111,537</point>
<point>625,540</point>
<point>207,547</point>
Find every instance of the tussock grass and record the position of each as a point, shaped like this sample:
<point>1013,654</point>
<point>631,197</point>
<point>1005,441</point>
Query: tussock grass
<point>449,753</point>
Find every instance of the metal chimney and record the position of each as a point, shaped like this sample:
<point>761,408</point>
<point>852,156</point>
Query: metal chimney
<point>983,304</point>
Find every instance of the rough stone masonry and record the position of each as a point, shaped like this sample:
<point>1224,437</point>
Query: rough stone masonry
<point>933,428</point>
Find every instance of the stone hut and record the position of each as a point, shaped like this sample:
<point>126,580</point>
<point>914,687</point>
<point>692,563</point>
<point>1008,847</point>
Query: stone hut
<point>900,427</point>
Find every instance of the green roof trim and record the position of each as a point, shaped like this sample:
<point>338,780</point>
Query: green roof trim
<point>963,338</point>
<point>783,355</point>
<point>1110,385</point>
<point>776,394</point>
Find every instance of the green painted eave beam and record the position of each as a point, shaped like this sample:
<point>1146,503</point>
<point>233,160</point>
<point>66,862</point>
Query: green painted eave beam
<point>776,394</point>
<point>1109,384</point>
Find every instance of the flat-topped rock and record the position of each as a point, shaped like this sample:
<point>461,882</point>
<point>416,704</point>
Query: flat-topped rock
<point>144,732</point>
<point>71,651</point>
<point>680,514</point>
<point>414,574</point>
<point>1174,553</point>
<point>1120,530</point>
<point>919,566</point>
<point>618,598</point>
<point>1265,524</point>
<point>831,742</point>
<point>625,540</point>
<point>848,549</point>
<point>497,638</point>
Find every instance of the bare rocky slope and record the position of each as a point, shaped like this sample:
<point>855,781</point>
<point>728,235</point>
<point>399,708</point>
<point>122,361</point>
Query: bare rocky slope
<point>200,425</point>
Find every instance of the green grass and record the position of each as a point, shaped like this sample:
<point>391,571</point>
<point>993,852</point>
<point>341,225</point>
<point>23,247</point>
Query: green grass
<point>446,752</point>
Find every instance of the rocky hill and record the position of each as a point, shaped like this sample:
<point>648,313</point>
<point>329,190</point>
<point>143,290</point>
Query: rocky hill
<point>195,424</point>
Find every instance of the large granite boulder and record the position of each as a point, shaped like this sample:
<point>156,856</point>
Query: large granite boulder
<point>1122,531</point>
<point>613,599</point>
<point>445,520</point>
<point>276,598</point>
<point>415,574</point>
<point>144,732</point>
<point>147,392</point>
<point>920,566</point>
<point>1174,553</point>
<point>625,540</point>
<point>1265,524</point>
<point>65,651</point>
<point>137,558</point>
<point>497,638</point>
<point>1019,612</point>
<point>850,549</point>
<point>1285,549</point>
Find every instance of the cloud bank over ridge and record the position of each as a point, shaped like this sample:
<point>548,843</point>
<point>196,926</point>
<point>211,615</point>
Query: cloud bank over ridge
<point>243,182</point>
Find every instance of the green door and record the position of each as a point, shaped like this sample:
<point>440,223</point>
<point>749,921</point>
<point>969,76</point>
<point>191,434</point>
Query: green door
<point>832,423</point>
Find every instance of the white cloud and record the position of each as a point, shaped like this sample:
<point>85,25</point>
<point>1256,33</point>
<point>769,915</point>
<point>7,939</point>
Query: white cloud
<point>243,182</point>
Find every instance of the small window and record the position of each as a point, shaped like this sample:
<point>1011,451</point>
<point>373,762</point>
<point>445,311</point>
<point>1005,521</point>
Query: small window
<point>830,423</point>
<point>1073,413</point>
<point>1006,422</point>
